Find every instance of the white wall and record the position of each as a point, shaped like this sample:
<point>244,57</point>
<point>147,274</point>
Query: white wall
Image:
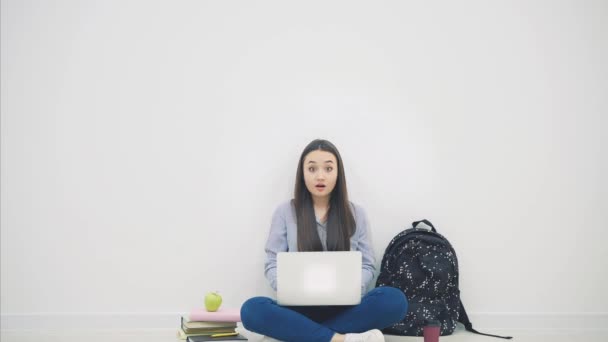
<point>146,144</point>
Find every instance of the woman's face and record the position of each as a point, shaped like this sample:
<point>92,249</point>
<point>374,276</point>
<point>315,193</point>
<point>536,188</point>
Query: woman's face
<point>320,173</point>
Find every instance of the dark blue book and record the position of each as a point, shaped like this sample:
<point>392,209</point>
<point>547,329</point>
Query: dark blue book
<point>237,337</point>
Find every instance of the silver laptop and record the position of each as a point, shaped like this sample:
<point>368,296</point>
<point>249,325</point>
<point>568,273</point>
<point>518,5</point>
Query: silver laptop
<point>319,278</point>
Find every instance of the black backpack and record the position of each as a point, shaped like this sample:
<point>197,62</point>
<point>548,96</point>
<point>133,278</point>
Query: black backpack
<point>423,264</point>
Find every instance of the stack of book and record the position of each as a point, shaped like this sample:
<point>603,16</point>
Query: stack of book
<point>203,325</point>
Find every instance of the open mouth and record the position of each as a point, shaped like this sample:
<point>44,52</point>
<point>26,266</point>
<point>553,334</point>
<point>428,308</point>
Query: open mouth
<point>320,187</point>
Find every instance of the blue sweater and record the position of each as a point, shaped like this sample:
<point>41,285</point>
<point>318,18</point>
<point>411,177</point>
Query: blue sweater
<point>283,237</point>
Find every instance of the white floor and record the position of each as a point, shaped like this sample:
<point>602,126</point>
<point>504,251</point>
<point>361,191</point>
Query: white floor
<point>164,335</point>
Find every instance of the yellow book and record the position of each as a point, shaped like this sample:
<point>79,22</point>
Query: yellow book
<point>182,335</point>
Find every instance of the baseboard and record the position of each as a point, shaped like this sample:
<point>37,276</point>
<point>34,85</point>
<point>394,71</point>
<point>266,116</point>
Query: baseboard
<point>499,321</point>
<point>545,322</point>
<point>91,321</point>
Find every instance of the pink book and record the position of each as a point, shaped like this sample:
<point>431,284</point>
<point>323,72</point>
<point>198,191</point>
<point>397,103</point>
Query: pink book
<point>221,315</point>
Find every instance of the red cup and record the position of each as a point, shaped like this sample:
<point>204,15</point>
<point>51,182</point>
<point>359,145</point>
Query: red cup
<point>431,331</point>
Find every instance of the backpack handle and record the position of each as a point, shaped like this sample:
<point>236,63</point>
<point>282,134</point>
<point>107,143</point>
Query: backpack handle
<point>427,222</point>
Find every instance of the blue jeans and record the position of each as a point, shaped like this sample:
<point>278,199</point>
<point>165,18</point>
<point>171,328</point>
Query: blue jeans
<point>380,308</point>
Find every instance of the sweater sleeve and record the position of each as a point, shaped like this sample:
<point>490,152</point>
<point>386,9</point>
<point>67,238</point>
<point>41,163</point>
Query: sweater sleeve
<point>366,248</point>
<point>277,242</point>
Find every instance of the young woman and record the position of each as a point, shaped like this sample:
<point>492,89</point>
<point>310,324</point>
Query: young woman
<point>321,218</point>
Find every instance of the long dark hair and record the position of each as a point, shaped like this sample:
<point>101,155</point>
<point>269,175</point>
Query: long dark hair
<point>340,219</point>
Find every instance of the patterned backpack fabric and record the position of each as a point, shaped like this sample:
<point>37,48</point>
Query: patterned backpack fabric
<point>423,264</point>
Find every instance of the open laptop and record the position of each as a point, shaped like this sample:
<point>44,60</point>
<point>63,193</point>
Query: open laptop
<point>319,278</point>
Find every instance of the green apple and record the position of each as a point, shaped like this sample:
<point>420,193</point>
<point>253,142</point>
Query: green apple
<point>213,301</point>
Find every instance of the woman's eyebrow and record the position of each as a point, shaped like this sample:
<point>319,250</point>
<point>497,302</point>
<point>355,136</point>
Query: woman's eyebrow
<point>327,161</point>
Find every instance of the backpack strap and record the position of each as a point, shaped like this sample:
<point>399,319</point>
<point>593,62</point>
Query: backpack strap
<point>464,319</point>
<point>427,222</point>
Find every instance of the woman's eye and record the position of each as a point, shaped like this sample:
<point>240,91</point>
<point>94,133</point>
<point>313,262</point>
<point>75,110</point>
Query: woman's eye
<point>329,169</point>
<point>311,169</point>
